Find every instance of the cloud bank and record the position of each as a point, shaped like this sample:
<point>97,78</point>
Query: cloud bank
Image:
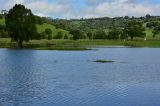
<point>86,8</point>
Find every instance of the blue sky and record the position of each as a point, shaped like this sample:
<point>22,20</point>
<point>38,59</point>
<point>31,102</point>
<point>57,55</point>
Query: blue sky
<point>87,8</point>
<point>155,1</point>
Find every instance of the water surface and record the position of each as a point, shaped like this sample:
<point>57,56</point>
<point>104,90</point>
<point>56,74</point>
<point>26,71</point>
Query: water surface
<point>71,78</point>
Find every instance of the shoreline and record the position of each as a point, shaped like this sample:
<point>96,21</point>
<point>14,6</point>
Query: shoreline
<point>74,48</point>
<point>61,44</point>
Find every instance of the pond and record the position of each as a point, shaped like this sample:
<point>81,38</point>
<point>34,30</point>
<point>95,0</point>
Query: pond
<point>72,78</point>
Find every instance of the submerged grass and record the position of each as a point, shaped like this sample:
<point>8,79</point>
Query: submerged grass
<point>104,61</point>
<point>62,48</point>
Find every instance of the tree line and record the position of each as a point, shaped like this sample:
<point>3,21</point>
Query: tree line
<point>131,30</point>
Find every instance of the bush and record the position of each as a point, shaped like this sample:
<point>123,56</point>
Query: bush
<point>100,35</point>
<point>90,35</point>
<point>4,34</point>
<point>44,36</point>
<point>48,32</point>
<point>59,35</point>
<point>66,36</point>
<point>49,37</point>
<point>77,34</point>
<point>38,36</point>
<point>114,34</point>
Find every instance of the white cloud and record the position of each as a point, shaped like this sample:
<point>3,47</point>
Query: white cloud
<point>122,8</point>
<point>43,7</point>
<point>91,8</point>
<point>38,7</point>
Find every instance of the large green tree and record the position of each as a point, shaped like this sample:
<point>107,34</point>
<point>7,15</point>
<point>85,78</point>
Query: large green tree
<point>21,24</point>
<point>134,29</point>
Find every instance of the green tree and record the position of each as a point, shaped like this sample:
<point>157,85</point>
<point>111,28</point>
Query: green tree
<point>77,34</point>
<point>65,36</point>
<point>134,29</point>
<point>1,16</point>
<point>50,37</point>
<point>90,35</point>
<point>123,36</point>
<point>100,34</point>
<point>21,24</point>
<point>148,16</point>
<point>114,34</point>
<point>156,30</point>
<point>38,36</point>
<point>3,32</point>
<point>39,20</point>
<point>126,17</point>
<point>48,32</point>
<point>44,35</point>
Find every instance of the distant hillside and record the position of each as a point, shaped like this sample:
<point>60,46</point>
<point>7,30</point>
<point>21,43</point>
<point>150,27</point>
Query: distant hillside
<point>106,24</point>
<point>93,24</point>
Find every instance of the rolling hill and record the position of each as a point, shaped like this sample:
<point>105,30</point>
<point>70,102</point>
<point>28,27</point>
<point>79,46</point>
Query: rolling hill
<point>41,27</point>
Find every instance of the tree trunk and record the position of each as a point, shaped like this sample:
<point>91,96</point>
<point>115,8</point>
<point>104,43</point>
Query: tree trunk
<point>20,44</point>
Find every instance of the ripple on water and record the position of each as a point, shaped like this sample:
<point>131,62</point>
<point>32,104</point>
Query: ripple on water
<point>71,78</point>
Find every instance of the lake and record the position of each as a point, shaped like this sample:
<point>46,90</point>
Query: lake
<point>72,78</point>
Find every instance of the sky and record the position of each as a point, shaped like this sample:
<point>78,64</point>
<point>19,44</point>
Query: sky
<point>87,8</point>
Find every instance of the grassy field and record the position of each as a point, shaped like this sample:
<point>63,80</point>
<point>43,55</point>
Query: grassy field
<point>41,28</point>
<point>77,45</point>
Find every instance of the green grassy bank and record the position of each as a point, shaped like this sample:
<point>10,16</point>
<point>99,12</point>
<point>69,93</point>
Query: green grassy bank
<point>77,45</point>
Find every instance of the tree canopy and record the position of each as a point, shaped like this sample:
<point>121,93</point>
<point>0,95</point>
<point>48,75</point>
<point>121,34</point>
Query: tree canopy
<point>134,29</point>
<point>48,32</point>
<point>114,34</point>
<point>100,34</point>
<point>77,34</point>
<point>21,24</point>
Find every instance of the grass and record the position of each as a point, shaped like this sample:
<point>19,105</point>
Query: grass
<point>104,61</point>
<point>2,21</point>
<point>41,28</point>
<point>77,45</point>
<point>148,33</point>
